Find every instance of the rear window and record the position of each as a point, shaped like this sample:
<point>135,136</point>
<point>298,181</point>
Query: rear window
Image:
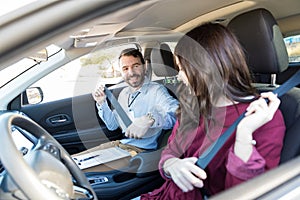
<point>293,48</point>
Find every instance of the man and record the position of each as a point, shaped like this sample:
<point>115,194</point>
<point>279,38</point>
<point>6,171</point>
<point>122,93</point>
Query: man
<point>148,104</point>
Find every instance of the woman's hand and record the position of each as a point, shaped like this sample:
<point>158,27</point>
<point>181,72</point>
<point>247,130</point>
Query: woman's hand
<point>185,174</point>
<point>258,113</point>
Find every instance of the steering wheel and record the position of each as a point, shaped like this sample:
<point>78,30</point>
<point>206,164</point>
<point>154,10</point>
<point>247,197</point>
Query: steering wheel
<point>46,171</point>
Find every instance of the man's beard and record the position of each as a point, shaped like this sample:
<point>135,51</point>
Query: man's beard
<point>137,83</point>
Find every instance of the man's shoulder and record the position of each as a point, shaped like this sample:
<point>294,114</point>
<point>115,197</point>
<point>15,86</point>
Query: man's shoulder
<point>156,84</point>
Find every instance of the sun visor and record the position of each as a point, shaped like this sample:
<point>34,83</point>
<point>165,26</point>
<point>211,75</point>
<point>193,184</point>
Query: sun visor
<point>96,35</point>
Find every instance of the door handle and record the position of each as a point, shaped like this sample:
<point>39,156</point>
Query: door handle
<point>55,121</point>
<point>58,120</point>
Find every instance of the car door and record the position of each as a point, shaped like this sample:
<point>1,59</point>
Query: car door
<point>72,121</point>
<point>67,109</point>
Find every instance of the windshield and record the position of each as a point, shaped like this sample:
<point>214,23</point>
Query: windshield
<point>9,73</point>
<point>14,70</point>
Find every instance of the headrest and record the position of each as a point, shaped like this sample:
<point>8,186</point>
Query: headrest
<point>261,38</point>
<point>162,61</point>
<point>148,63</point>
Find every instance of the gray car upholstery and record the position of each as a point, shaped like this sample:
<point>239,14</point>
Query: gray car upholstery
<point>266,54</point>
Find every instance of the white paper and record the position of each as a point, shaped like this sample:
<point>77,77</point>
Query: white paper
<point>98,157</point>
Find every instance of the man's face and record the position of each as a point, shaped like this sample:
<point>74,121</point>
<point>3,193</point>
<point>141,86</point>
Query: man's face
<point>133,71</point>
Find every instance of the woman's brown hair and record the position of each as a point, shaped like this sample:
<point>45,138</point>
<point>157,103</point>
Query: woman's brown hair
<point>215,65</point>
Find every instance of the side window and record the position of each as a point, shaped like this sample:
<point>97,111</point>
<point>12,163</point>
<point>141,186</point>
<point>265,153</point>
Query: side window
<point>293,47</point>
<point>81,76</point>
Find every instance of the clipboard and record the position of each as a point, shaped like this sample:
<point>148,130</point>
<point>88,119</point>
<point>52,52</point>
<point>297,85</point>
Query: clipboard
<point>98,157</point>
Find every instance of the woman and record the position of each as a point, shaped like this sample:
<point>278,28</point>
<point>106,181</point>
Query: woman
<point>216,91</point>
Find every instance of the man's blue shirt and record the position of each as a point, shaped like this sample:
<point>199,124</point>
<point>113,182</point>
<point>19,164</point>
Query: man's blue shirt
<point>150,98</point>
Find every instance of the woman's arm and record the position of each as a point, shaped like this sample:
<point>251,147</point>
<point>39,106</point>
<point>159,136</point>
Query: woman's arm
<point>264,151</point>
<point>183,171</point>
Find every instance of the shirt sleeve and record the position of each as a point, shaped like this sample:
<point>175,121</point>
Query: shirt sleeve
<point>265,154</point>
<point>164,110</point>
<point>244,171</point>
<point>107,116</point>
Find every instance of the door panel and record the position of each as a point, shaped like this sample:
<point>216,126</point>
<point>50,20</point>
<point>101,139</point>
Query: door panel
<point>74,122</point>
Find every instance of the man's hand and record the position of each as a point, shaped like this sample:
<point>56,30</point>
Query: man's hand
<point>99,95</point>
<point>139,127</point>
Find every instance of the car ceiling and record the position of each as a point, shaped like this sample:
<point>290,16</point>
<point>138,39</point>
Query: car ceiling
<point>133,18</point>
<point>172,16</point>
<point>177,16</point>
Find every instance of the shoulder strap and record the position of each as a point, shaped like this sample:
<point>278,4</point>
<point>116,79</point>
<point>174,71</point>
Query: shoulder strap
<point>114,102</point>
<point>213,149</point>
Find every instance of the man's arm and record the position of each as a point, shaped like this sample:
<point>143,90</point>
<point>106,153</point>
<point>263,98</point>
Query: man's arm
<point>164,110</point>
<point>107,116</point>
<point>104,111</point>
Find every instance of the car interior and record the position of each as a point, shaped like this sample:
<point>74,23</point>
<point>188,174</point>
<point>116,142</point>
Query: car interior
<point>270,60</point>
<point>266,62</point>
<point>73,122</point>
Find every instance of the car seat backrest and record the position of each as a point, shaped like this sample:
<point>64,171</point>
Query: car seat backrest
<point>290,107</point>
<point>163,67</point>
<point>266,54</point>
<point>265,50</point>
<point>148,63</point>
<point>162,61</point>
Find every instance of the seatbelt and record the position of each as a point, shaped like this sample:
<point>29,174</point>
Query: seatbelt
<point>213,149</point>
<point>114,102</point>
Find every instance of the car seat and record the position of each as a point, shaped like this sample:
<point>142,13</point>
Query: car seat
<point>162,61</point>
<point>148,63</point>
<point>164,68</point>
<point>266,55</point>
